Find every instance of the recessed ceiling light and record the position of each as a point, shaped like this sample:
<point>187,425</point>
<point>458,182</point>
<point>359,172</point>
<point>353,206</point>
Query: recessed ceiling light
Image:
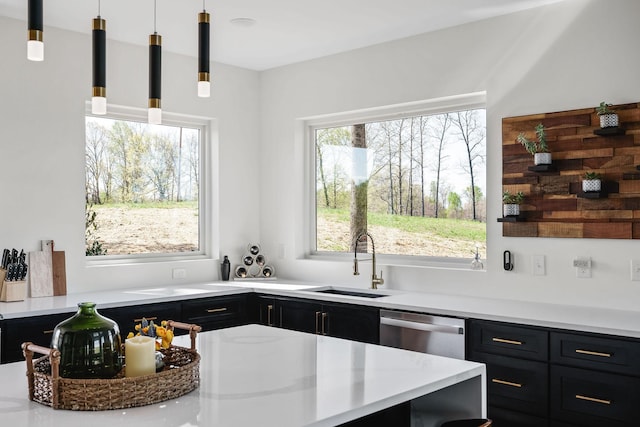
<point>243,22</point>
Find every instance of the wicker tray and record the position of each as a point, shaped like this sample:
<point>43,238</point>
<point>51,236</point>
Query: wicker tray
<point>180,375</point>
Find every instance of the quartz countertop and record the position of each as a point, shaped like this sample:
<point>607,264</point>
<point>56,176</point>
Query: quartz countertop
<point>256,375</point>
<point>588,319</point>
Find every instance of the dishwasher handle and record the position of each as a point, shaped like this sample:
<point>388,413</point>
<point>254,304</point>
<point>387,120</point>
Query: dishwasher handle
<point>428,327</point>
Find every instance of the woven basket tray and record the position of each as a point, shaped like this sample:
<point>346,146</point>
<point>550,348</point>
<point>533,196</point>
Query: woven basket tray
<point>180,375</point>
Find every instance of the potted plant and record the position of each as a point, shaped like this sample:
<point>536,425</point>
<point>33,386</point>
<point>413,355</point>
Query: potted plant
<point>591,182</point>
<point>608,117</point>
<point>538,149</point>
<point>511,203</point>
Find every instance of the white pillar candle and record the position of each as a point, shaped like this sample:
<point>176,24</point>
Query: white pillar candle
<point>140,356</point>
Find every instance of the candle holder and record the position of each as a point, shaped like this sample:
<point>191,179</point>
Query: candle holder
<point>180,375</point>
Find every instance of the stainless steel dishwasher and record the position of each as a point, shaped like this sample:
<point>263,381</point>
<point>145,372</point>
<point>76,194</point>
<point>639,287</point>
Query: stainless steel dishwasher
<point>442,336</point>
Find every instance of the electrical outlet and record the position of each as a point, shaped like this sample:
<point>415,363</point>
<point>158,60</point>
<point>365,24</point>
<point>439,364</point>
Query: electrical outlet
<point>583,267</point>
<point>538,266</point>
<point>635,270</point>
<point>179,273</point>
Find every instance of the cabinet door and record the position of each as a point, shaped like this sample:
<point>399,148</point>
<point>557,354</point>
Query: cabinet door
<point>353,322</point>
<point>216,313</point>
<point>128,317</point>
<point>299,315</point>
<point>505,418</point>
<point>262,310</point>
<point>36,329</point>
<point>594,399</point>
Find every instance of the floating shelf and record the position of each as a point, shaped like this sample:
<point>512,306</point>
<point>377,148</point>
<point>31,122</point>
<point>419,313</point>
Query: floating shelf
<point>609,131</point>
<point>593,194</point>
<point>511,219</point>
<point>542,168</point>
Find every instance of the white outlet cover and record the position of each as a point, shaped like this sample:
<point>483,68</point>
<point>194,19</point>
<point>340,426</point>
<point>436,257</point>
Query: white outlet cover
<point>635,270</point>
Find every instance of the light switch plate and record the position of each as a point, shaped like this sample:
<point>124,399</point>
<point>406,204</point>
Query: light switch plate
<point>538,265</point>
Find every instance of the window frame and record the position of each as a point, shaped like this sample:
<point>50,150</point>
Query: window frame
<point>470,101</point>
<point>206,213</point>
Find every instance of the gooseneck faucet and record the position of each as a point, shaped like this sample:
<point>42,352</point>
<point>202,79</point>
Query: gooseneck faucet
<point>375,280</point>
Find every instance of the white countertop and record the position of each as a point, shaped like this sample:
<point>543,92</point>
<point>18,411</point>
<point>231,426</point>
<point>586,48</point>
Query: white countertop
<point>588,319</point>
<point>261,376</point>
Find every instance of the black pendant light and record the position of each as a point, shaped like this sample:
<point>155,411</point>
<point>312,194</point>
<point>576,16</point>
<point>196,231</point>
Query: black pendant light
<point>155,77</point>
<point>99,96</point>
<point>35,29</point>
<point>204,85</point>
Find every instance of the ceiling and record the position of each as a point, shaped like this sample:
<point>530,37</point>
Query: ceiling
<point>285,31</point>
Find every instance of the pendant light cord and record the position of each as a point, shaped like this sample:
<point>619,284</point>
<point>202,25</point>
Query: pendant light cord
<point>155,5</point>
<point>99,8</point>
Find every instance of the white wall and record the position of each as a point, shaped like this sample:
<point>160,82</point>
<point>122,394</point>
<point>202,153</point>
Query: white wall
<point>564,56</point>
<point>42,108</point>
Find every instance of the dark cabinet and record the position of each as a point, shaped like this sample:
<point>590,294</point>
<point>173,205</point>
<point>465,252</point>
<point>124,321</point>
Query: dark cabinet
<point>216,312</point>
<point>36,329</point>
<point>128,317</point>
<point>348,321</point>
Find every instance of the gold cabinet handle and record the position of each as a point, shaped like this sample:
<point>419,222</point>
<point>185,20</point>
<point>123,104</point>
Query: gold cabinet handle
<point>593,399</point>
<point>48,331</point>
<point>324,321</point>
<point>148,319</point>
<point>269,310</point>
<point>503,382</point>
<point>318,313</point>
<point>506,341</point>
<point>216,310</point>
<point>593,353</point>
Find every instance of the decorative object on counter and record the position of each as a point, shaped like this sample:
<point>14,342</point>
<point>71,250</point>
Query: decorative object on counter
<point>608,117</point>
<point>254,265</point>
<point>13,271</point>
<point>162,334</point>
<point>225,268</point>
<point>139,356</point>
<point>511,203</point>
<point>41,274</point>
<point>592,182</point>
<point>180,375</point>
<point>539,148</point>
<point>476,264</point>
<point>507,261</point>
<point>76,338</point>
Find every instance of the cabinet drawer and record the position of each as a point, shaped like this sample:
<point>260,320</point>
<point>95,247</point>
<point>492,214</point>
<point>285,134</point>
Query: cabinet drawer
<point>128,317</point>
<point>602,353</point>
<point>36,329</point>
<point>516,384</point>
<point>509,340</point>
<point>589,398</point>
<point>505,418</point>
<point>215,313</point>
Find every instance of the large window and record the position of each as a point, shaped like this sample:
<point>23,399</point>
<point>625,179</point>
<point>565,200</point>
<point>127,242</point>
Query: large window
<point>415,182</point>
<point>142,187</point>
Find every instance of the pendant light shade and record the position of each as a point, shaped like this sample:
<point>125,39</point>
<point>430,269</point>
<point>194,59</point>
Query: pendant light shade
<point>155,78</point>
<point>99,96</point>
<point>35,45</point>
<point>204,85</point>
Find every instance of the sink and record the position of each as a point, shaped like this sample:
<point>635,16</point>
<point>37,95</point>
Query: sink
<point>350,293</point>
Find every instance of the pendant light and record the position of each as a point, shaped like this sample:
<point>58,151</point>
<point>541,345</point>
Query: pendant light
<point>155,69</point>
<point>204,85</point>
<point>35,45</point>
<point>99,97</point>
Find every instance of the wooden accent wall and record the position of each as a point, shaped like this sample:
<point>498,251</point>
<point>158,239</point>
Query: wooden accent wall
<point>552,206</point>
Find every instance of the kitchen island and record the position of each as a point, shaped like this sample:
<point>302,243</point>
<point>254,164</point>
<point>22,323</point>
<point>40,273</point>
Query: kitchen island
<point>255,375</point>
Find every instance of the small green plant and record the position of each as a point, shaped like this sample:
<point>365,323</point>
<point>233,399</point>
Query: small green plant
<point>512,199</point>
<point>604,108</point>
<point>533,147</point>
<point>92,241</point>
<point>592,175</point>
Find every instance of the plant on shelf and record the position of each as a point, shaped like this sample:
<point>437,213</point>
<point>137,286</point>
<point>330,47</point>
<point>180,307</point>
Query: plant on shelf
<point>591,182</point>
<point>511,203</point>
<point>608,117</point>
<point>538,148</point>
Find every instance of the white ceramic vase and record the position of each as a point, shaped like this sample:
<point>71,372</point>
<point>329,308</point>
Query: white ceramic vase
<point>542,158</point>
<point>591,185</point>
<point>609,120</point>
<point>510,209</point>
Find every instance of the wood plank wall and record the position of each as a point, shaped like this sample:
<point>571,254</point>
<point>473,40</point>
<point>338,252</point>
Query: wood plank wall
<point>553,206</point>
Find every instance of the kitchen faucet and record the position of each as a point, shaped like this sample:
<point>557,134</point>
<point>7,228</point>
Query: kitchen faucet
<point>375,280</point>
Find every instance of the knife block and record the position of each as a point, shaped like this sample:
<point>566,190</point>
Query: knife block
<point>12,291</point>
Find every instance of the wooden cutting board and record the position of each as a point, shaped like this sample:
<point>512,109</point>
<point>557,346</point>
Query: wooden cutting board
<point>59,273</point>
<point>40,274</point>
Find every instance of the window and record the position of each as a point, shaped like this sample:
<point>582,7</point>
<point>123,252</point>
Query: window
<point>415,181</point>
<point>143,187</point>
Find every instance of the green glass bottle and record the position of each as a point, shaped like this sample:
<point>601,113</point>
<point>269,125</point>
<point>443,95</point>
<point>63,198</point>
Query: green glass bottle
<point>90,344</point>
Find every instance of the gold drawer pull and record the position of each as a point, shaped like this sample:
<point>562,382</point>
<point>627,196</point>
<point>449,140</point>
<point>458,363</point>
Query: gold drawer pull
<point>48,331</point>
<point>593,399</point>
<point>216,310</point>
<point>149,319</point>
<point>505,341</point>
<point>503,382</point>
<point>593,353</point>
